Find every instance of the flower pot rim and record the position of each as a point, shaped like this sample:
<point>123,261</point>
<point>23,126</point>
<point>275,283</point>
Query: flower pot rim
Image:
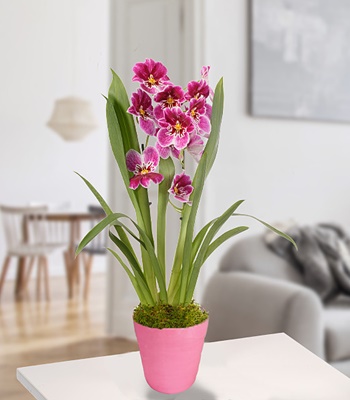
<point>172,329</point>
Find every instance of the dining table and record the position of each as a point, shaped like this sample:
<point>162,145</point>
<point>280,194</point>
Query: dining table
<point>74,219</point>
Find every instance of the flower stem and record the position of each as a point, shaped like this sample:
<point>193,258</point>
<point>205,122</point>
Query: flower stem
<point>182,158</point>
<point>147,140</point>
<point>178,209</point>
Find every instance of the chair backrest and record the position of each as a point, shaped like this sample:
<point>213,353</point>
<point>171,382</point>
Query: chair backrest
<point>23,224</point>
<point>30,225</point>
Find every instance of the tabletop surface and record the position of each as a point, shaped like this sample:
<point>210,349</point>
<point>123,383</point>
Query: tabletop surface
<point>270,367</point>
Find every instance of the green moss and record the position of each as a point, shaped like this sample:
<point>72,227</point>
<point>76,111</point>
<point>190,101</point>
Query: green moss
<point>169,316</point>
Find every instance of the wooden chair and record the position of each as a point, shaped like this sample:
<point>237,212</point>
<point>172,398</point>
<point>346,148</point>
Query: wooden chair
<point>30,237</point>
<point>95,247</point>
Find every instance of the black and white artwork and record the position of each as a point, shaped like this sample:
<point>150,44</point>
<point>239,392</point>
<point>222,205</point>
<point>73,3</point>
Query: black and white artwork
<point>301,59</point>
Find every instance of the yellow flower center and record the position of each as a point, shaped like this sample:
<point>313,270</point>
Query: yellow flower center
<point>142,111</point>
<point>151,80</point>
<point>144,171</point>
<point>170,101</point>
<point>178,126</point>
<point>176,190</point>
<point>193,112</point>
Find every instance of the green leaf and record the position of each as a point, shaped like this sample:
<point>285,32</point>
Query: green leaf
<point>167,169</point>
<point>203,248</point>
<point>198,184</point>
<point>139,276</point>
<point>99,198</point>
<point>131,233</point>
<point>131,277</point>
<point>273,229</point>
<point>154,262</point>
<point>199,239</point>
<point>123,137</point>
<point>221,239</point>
<point>211,147</point>
<point>119,99</point>
<point>108,211</point>
<point>95,231</point>
<point>116,139</point>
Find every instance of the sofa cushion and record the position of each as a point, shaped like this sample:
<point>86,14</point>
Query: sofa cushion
<point>251,254</point>
<point>337,320</point>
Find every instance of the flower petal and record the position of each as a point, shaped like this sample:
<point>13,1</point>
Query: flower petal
<point>180,142</point>
<point>196,147</point>
<point>133,158</point>
<point>135,182</point>
<point>158,112</point>
<point>164,152</point>
<point>204,125</point>
<point>145,180</point>
<point>164,138</point>
<point>155,177</point>
<point>151,155</point>
<point>148,126</point>
<point>159,70</point>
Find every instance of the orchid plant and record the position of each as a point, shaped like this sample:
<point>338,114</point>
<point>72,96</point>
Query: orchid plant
<point>175,122</point>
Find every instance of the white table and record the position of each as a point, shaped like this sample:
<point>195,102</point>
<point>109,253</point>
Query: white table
<point>271,367</point>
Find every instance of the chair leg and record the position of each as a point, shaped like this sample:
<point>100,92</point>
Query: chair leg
<point>46,278</point>
<point>29,272</point>
<point>38,278</point>
<point>4,270</point>
<point>87,267</point>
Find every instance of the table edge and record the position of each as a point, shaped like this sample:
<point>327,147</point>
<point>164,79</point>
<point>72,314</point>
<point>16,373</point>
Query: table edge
<point>28,386</point>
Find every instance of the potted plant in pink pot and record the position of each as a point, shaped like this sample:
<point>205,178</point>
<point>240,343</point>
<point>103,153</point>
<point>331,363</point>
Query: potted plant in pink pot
<point>176,123</point>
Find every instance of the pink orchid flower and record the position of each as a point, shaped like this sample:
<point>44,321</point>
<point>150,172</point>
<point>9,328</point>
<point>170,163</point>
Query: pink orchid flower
<point>175,128</point>
<point>165,152</point>
<point>197,89</point>
<point>171,96</point>
<point>151,74</point>
<point>195,147</point>
<point>205,76</point>
<point>142,108</point>
<point>143,166</point>
<point>182,188</point>
<point>198,113</point>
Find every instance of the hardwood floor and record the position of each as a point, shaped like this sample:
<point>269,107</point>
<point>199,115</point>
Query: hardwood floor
<point>37,332</point>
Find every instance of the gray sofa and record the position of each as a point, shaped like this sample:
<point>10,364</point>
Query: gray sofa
<point>256,292</point>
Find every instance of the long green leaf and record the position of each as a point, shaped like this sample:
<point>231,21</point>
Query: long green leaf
<point>117,145</point>
<point>203,248</point>
<point>119,98</point>
<point>198,184</point>
<point>123,137</point>
<point>139,276</point>
<point>119,224</point>
<point>99,198</point>
<point>272,228</point>
<point>131,277</point>
<point>108,211</point>
<point>95,231</point>
<point>149,249</point>
<point>155,263</point>
<point>221,239</point>
<point>211,147</point>
<point>199,239</point>
<point>167,169</point>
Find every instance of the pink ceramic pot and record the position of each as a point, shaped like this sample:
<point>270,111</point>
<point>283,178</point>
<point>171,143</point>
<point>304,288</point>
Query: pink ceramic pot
<point>170,356</point>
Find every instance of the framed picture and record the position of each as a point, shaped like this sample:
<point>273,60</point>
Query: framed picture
<point>300,55</point>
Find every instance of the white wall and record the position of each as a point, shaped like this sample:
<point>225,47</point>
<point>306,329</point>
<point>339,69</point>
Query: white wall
<point>51,49</point>
<point>283,168</point>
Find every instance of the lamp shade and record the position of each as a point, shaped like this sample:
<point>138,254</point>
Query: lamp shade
<point>72,118</point>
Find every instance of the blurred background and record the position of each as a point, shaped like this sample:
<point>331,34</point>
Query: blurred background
<point>284,140</point>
